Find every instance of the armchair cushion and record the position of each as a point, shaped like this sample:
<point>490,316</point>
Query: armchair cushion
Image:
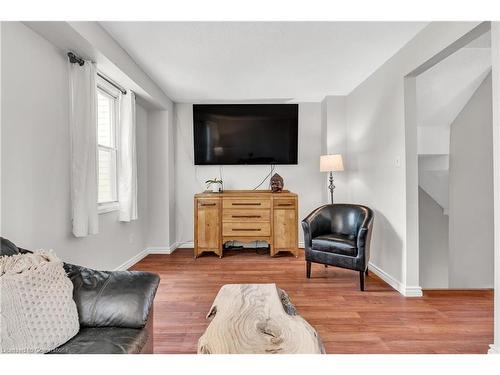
<point>112,299</point>
<point>335,243</point>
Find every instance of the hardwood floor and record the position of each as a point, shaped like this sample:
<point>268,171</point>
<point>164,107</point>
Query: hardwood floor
<point>378,320</point>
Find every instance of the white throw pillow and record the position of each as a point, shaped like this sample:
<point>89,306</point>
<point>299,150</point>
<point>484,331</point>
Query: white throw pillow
<point>37,310</point>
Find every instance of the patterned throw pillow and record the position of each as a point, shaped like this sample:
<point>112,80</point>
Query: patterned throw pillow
<point>37,310</point>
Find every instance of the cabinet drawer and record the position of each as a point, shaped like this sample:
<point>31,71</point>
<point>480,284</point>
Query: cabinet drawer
<point>284,203</point>
<point>246,203</point>
<point>208,203</point>
<point>239,215</point>
<point>246,229</point>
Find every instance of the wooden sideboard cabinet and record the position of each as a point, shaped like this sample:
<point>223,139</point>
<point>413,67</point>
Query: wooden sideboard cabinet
<point>245,215</point>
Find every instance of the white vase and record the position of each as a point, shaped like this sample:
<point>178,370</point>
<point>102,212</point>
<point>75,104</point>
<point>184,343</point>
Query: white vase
<point>215,188</point>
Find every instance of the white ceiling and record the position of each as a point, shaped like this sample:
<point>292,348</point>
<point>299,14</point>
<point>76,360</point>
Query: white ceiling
<point>260,61</point>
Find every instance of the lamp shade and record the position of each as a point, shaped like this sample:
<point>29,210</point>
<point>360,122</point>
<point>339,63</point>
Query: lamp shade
<point>331,163</point>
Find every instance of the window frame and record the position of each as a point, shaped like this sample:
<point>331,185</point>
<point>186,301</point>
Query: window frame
<point>110,91</point>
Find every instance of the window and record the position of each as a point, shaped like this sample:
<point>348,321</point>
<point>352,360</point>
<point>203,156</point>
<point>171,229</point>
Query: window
<point>107,118</point>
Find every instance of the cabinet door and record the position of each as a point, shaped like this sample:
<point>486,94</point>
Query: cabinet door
<point>208,224</point>
<point>285,229</point>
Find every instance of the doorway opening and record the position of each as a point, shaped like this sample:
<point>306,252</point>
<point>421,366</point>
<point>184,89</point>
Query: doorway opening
<point>455,170</point>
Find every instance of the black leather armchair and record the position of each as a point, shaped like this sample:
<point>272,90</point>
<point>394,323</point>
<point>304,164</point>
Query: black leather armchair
<point>115,309</point>
<point>339,235</point>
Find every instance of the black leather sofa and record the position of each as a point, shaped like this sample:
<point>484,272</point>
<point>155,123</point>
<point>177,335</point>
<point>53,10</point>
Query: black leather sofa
<point>115,309</point>
<point>339,235</point>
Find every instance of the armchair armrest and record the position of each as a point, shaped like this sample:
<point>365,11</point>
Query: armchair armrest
<point>112,299</point>
<point>364,239</point>
<point>361,238</point>
<point>316,224</point>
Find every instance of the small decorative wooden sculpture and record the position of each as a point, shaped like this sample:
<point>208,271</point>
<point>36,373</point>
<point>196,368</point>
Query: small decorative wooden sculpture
<point>276,183</point>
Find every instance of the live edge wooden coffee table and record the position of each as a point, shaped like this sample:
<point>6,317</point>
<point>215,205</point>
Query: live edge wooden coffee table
<point>257,319</point>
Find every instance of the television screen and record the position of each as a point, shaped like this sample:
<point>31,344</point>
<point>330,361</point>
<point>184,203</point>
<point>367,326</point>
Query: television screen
<point>245,133</point>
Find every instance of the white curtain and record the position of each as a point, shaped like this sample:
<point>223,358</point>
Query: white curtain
<point>127,159</point>
<point>83,130</point>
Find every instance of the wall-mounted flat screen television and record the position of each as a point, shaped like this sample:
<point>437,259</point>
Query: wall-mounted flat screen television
<point>228,134</point>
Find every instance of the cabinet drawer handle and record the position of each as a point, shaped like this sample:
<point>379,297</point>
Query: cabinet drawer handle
<point>208,204</point>
<point>285,204</point>
<point>246,229</point>
<point>245,204</point>
<point>245,216</point>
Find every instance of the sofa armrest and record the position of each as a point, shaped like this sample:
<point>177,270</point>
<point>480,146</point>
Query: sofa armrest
<point>112,299</point>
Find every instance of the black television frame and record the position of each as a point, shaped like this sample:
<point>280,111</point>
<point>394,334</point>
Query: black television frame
<point>295,135</point>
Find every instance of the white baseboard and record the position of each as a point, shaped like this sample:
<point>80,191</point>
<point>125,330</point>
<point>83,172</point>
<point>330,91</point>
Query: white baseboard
<point>164,250</point>
<point>129,263</point>
<point>159,250</point>
<point>185,245</point>
<point>150,250</point>
<point>413,291</point>
<point>407,291</point>
<point>395,284</point>
<point>494,349</point>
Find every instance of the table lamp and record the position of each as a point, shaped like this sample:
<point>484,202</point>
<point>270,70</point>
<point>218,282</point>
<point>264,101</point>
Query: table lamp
<point>331,163</point>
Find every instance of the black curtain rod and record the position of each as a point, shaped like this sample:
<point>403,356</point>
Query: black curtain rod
<point>112,83</point>
<point>74,59</point>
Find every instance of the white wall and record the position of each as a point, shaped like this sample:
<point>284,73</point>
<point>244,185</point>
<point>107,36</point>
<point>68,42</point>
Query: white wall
<point>471,193</point>
<point>303,179</point>
<point>433,243</point>
<point>35,158</point>
<point>336,143</point>
<point>377,150</point>
<point>324,137</point>
<point>495,53</point>
<point>433,140</point>
<point>161,135</point>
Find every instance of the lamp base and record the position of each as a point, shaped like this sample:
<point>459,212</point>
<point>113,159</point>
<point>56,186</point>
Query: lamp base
<point>331,187</point>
